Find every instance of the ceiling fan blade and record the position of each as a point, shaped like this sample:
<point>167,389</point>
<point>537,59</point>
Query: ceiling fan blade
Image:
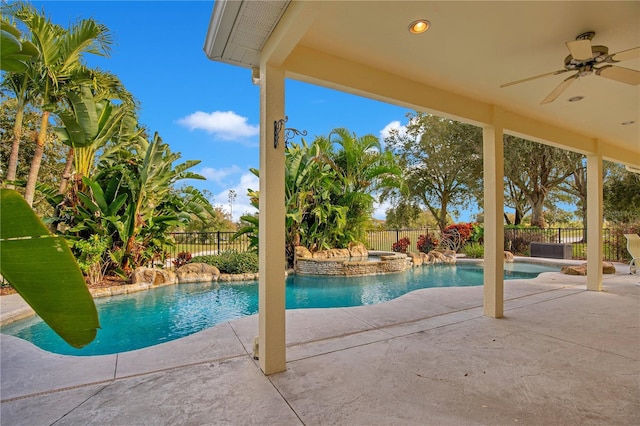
<point>623,75</point>
<point>580,49</point>
<point>534,77</point>
<point>624,55</point>
<point>558,90</point>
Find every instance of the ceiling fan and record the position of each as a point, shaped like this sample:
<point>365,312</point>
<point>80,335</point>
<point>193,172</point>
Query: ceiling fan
<point>583,59</point>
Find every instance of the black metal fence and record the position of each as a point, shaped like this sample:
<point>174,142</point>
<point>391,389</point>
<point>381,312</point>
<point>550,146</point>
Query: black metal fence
<point>516,240</point>
<point>202,243</point>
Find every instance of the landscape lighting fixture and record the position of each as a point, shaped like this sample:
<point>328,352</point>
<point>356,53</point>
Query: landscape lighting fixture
<point>419,26</point>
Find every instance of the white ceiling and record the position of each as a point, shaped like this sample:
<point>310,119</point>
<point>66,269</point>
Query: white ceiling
<point>474,47</point>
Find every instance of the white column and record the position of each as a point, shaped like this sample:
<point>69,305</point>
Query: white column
<point>493,159</point>
<point>271,303</point>
<point>594,222</point>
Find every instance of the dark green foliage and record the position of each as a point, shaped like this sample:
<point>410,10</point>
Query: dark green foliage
<point>622,196</point>
<point>231,262</point>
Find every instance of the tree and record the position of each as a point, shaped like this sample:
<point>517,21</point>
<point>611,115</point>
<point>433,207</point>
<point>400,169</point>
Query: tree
<point>515,198</point>
<point>442,162</point>
<point>621,195</point>
<point>89,125</point>
<point>576,186</point>
<point>362,168</point>
<point>536,169</point>
<point>58,67</point>
<point>407,215</point>
<point>51,165</point>
<point>16,55</point>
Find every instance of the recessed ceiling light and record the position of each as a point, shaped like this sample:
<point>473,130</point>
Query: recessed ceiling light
<point>576,98</point>
<point>626,123</point>
<point>419,26</point>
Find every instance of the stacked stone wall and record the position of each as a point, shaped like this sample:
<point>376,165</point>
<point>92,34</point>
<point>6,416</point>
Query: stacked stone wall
<point>349,266</point>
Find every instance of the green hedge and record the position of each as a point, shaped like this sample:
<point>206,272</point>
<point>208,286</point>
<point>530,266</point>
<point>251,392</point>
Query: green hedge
<point>231,262</point>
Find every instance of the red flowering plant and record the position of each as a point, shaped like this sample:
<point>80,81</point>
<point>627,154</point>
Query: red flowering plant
<point>426,243</point>
<point>456,235</point>
<point>401,245</point>
<point>182,259</point>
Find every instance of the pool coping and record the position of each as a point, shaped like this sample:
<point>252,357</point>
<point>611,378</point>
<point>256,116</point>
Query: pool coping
<point>13,308</point>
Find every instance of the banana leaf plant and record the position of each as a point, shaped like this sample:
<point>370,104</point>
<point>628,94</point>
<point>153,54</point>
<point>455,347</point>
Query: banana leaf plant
<point>42,269</point>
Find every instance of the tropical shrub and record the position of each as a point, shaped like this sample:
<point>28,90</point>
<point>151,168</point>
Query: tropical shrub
<point>401,245</point>
<point>477,233</point>
<point>464,230</point>
<point>474,250</point>
<point>89,255</point>
<point>426,243</point>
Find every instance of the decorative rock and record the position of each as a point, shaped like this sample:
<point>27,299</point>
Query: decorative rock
<point>197,272</point>
<point>449,257</point>
<point>437,256</point>
<point>358,250</point>
<point>100,292</point>
<point>302,252</point>
<point>416,258</point>
<point>332,254</point>
<point>429,259</point>
<point>153,276</point>
<point>607,268</point>
<point>508,257</point>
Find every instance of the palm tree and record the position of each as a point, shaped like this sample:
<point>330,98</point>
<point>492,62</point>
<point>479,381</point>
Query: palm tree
<point>58,67</point>
<point>362,168</point>
<point>94,128</point>
<point>16,55</point>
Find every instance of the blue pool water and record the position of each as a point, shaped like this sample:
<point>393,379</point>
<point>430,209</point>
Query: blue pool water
<point>156,316</point>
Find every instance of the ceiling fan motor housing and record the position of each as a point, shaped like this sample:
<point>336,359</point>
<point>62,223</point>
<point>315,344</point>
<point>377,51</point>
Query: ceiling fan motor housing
<point>599,54</point>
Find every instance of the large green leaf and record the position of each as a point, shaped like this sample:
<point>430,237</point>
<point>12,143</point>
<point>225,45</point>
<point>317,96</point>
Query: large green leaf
<point>43,271</point>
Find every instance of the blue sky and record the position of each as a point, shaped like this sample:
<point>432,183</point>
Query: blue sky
<point>207,110</point>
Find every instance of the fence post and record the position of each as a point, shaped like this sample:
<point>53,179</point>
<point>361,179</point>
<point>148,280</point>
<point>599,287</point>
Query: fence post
<point>218,239</point>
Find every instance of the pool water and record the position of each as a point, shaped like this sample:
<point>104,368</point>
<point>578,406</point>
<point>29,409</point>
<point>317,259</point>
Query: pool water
<point>156,316</point>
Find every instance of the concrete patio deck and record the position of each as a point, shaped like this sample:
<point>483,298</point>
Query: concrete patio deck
<point>561,355</point>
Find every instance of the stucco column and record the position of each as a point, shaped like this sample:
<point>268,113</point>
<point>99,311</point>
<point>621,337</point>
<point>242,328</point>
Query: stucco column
<point>493,159</point>
<point>594,222</point>
<point>271,296</point>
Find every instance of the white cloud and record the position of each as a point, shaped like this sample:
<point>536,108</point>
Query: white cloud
<point>226,125</point>
<point>380,210</point>
<point>393,127</point>
<point>242,204</point>
<point>219,175</point>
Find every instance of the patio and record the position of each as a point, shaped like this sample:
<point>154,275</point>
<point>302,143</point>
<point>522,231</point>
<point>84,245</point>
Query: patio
<point>560,355</point>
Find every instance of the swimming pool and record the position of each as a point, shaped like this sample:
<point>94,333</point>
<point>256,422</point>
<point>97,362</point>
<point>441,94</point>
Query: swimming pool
<point>163,314</point>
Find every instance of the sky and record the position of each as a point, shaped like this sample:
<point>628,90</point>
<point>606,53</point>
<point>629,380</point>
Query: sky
<point>207,110</point>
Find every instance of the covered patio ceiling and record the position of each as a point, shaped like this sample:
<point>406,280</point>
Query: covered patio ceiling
<point>456,68</point>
